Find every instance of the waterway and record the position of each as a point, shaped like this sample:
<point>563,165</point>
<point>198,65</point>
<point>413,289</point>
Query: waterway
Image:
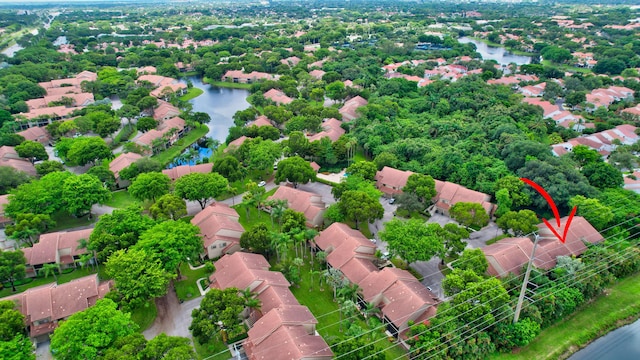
<point>499,54</point>
<point>620,344</point>
<point>221,104</point>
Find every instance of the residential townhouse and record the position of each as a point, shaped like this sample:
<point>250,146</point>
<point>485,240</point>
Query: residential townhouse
<point>170,130</point>
<point>164,86</point>
<point>36,133</point>
<point>220,230</point>
<point>121,162</point>
<point>62,248</point>
<point>310,204</point>
<point>331,128</point>
<point>605,97</point>
<point>177,172</point>
<point>398,294</point>
<point>45,306</point>
<point>277,96</point>
<point>9,157</point>
<point>238,76</point>
<point>235,144</point>
<point>604,142</point>
<point>281,329</point>
<point>512,254</point>
<point>350,107</point>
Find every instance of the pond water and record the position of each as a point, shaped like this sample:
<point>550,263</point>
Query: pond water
<point>620,344</point>
<point>221,104</point>
<point>499,54</point>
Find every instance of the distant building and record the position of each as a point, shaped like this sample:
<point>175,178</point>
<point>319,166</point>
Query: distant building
<point>310,204</point>
<point>121,162</point>
<point>177,172</point>
<point>220,230</point>
<point>61,248</point>
<point>348,110</point>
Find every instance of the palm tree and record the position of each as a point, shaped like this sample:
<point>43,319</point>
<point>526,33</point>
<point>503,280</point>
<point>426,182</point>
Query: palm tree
<point>233,192</point>
<point>349,291</point>
<point>279,241</point>
<point>84,244</point>
<point>250,301</point>
<point>85,260</point>
<point>311,274</point>
<point>249,200</point>
<point>277,210</point>
<point>51,269</point>
<point>369,311</point>
<point>309,236</point>
<point>321,256</point>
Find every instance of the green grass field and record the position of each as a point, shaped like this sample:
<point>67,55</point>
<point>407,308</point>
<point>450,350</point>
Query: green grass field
<point>65,221</point>
<point>213,350</point>
<point>121,199</point>
<point>187,287</point>
<point>617,306</point>
<point>145,315</point>
<point>191,93</point>
<point>226,84</point>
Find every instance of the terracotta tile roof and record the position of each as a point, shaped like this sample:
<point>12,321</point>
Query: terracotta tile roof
<point>236,143</point>
<point>261,121</point>
<point>391,181</point>
<point>47,249</point>
<point>275,297</point>
<point>182,170</point>
<point>253,76</point>
<point>123,161</point>
<point>511,254</point>
<point>57,302</point>
<point>378,282</point>
<point>9,157</point>
<point>318,74</point>
<point>348,110</point>
<point>309,204</point>
<point>330,128</point>
<point>54,111</point>
<point>286,343</point>
<point>314,166</point>
<point>405,299</point>
<point>165,111</point>
<point>34,133</point>
<point>218,220</point>
<point>579,232</point>
<point>277,96</point>
<point>448,194</point>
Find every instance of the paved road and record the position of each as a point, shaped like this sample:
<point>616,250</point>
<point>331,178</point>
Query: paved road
<point>42,351</point>
<point>173,317</point>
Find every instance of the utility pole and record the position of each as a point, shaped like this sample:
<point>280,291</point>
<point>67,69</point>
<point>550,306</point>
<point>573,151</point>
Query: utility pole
<point>523,289</point>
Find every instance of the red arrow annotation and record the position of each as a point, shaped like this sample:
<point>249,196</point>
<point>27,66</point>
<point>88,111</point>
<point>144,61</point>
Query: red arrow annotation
<point>554,208</point>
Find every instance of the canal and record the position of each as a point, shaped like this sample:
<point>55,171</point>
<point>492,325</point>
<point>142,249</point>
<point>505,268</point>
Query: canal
<point>620,344</point>
<point>499,54</point>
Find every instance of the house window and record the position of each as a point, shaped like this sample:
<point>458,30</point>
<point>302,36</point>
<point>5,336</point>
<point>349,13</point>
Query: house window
<point>223,245</point>
<point>213,246</point>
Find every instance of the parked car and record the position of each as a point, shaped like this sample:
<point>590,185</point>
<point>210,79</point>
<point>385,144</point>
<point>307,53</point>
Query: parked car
<point>392,200</point>
<point>373,240</point>
<point>262,183</point>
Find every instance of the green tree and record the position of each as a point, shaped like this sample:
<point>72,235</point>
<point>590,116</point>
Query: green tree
<point>257,240</point>
<point>292,220</point>
<point>472,259</point>
<point>32,150</point>
<point>163,347</point>
<point>596,213</point>
<point>584,155</point>
<point>89,150</point>
<point>509,335</point>
<point>521,222</point>
<point>504,202</point>
<point>365,169</point>
<point>200,187</point>
<point>295,170</point>
<point>19,347</point>
<point>515,186</point>
<point>150,186</point>
<point>128,347</point>
<point>48,166</point>
<point>229,167</point>
<point>11,178</point>
<point>104,124</point>
<point>141,166</point>
<point>356,348</point>
<point>336,91</point>
<point>11,321</point>
<point>422,185</point>
<point>89,333</point>
<point>27,227</point>
<point>137,277</point>
<point>469,214</point>
<point>167,207</point>
<point>146,123</point>
<point>51,269</point>
<point>81,192</point>
<point>355,182</point>
<point>413,240</point>
<point>119,230</point>
<point>12,267</point>
<point>219,311</point>
<point>170,243</point>
<point>359,206</point>
<point>602,175</point>
<point>43,196</point>
<point>105,176</point>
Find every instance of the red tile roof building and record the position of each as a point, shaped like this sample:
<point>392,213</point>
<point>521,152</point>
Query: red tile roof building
<point>177,172</point>
<point>277,96</point>
<point>449,194</point>
<point>44,306</point>
<point>348,110</point>
<point>121,162</point>
<point>281,329</point>
<point>9,157</point>
<point>36,133</point>
<point>391,181</point>
<point>398,294</point>
<point>512,254</point>
<point>330,128</point>
<point>310,204</point>
<point>220,230</point>
<point>62,247</point>
<point>238,76</point>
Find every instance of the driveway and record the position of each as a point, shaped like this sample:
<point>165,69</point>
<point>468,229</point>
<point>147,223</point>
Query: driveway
<point>431,275</point>
<point>173,317</point>
<point>42,351</point>
<point>478,239</point>
<point>320,189</point>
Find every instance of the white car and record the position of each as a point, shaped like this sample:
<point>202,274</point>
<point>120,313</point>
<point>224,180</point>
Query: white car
<point>262,183</point>
<point>373,240</point>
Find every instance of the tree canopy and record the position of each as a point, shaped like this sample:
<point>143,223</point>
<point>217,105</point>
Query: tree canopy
<point>200,187</point>
<point>170,243</point>
<point>150,186</point>
<point>295,170</point>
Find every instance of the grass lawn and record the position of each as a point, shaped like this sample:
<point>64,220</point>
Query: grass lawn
<point>65,221</point>
<point>565,67</point>
<point>364,228</point>
<point>187,288</point>
<point>359,156</point>
<point>191,93</point>
<point>121,199</point>
<point>41,280</point>
<point>255,216</point>
<point>619,305</point>
<point>168,155</point>
<point>145,315</point>
<point>217,348</point>
<point>227,84</point>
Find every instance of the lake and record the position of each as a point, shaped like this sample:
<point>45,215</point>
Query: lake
<point>499,54</point>
<point>221,104</point>
<point>620,344</point>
